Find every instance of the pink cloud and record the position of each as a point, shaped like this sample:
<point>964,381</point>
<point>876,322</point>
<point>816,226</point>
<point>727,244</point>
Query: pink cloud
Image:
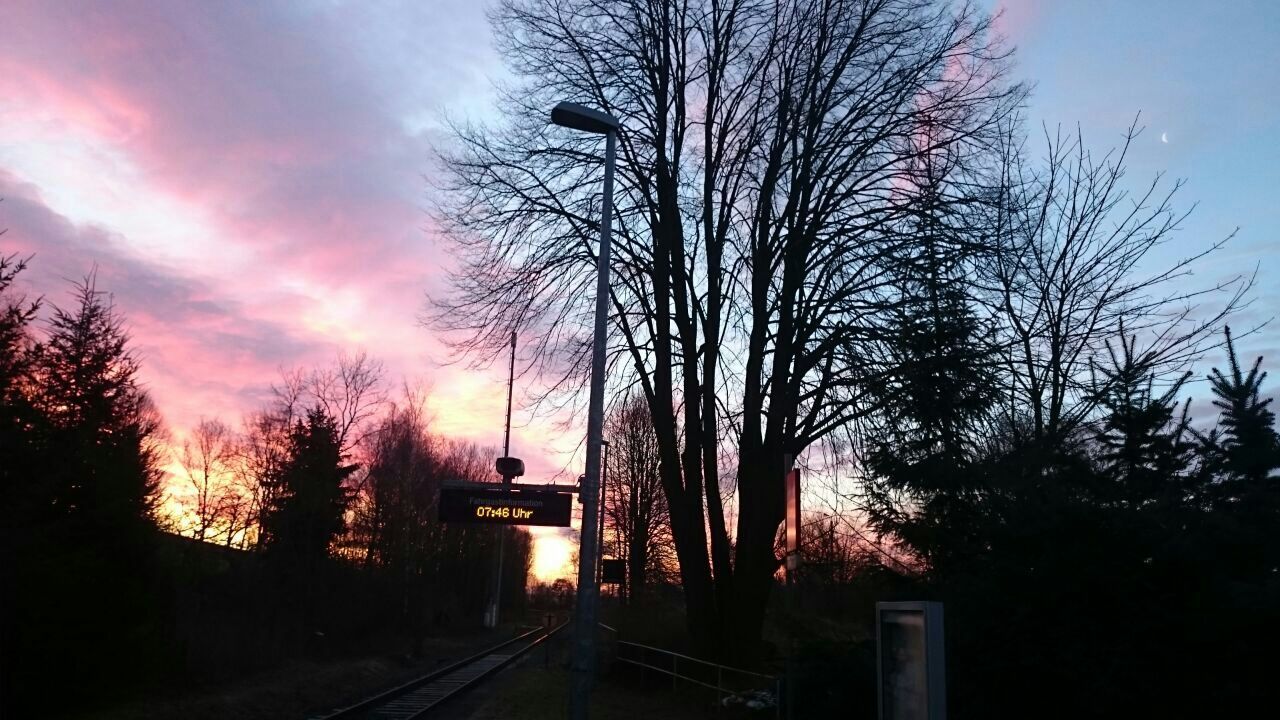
<point>201,350</point>
<point>285,128</point>
<point>1017,20</point>
<point>274,119</point>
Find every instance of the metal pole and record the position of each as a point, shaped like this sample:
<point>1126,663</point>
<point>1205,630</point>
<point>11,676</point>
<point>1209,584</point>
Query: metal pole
<point>604,498</point>
<point>584,620</point>
<point>511,383</point>
<point>789,591</point>
<point>495,603</point>
<point>629,523</point>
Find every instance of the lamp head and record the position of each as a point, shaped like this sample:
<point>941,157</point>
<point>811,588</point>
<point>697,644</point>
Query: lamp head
<point>580,117</point>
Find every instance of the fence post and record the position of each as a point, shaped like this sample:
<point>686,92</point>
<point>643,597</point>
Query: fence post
<point>777,699</point>
<point>719,682</point>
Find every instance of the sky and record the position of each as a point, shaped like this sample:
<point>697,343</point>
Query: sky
<point>250,178</point>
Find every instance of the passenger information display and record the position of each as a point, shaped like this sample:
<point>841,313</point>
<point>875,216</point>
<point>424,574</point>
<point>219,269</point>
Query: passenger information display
<point>504,507</point>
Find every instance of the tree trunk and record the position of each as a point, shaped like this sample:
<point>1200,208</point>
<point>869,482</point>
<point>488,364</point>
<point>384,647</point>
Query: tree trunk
<point>761,500</point>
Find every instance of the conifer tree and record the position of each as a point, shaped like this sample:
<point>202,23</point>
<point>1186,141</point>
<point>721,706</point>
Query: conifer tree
<point>16,315</point>
<point>102,427</point>
<point>311,498</point>
<point>940,389</point>
<point>1247,447</point>
<point>1143,440</point>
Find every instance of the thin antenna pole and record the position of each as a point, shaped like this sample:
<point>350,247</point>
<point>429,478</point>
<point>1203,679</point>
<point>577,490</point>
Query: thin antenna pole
<point>511,381</point>
<point>495,602</point>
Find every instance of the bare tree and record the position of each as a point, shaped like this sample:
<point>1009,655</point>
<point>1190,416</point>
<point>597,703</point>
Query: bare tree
<point>351,392</point>
<point>207,459</point>
<point>398,496</point>
<point>635,507</point>
<point>1070,275</point>
<point>1072,270</point>
<point>765,162</point>
<point>261,456</point>
<point>832,555</point>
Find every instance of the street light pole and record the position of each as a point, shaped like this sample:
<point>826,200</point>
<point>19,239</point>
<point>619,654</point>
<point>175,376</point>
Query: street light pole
<point>578,117</point>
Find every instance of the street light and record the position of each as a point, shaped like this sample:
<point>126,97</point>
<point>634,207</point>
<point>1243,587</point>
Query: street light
<point>581,117</point>
<point>578,117</point>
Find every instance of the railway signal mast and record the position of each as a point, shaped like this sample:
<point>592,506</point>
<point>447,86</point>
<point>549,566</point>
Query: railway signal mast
<point>509,468</point>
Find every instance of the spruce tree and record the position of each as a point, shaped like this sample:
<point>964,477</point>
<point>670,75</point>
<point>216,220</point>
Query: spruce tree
<point>90,605</point>
<point>1143,441</point>
<point>16,416</point>
<point>1247,445</point>
<point>16,315</point>
<point>102,427</point>
<point>941,387</point>
<point>310,497</point>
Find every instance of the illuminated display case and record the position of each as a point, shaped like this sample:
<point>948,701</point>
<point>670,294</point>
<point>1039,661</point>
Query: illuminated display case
<point>911,682</point>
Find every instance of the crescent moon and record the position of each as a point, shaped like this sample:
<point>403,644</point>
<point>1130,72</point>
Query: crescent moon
<point>1164,138</point>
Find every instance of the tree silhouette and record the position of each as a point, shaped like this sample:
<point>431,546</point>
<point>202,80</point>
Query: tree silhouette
<point>398,494</point>
<point>939,381</point>
<point>16,315</point>
<point>103,428</point>
<point>1240,457</point>
<point>1144,444</point>
<point>635,508</point>
<point>764,168</point>
<point>91,590</point>
<point>1247,445</point>
<point>311,497</point>
<point>1072,270</point>
<point>1128,511</point>
<point>219,506</point>
<point>16,412</point>
<point>85,477</point>
<point>22,482</point>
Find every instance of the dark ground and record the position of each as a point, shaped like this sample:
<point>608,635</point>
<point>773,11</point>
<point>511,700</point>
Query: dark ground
<point>537,688</point>
<point>302,689</point>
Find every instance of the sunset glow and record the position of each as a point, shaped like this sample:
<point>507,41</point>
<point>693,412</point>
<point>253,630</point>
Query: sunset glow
<point>552,556</point>
<point>250,180</point>
<point>256,206</point>
<point>614,358</point>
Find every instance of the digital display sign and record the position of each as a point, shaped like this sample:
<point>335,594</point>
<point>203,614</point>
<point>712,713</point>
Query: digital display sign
<point>504,507</point>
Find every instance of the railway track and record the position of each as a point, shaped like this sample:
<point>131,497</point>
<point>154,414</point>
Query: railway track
<point>418,697</point>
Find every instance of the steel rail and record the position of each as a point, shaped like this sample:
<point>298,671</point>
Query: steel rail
<point>398,703</point>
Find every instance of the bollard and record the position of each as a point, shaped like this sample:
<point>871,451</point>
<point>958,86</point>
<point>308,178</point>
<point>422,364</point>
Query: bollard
<point>548,622</point>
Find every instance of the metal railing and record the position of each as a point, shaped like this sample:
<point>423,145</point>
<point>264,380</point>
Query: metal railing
<point>725,680</point>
